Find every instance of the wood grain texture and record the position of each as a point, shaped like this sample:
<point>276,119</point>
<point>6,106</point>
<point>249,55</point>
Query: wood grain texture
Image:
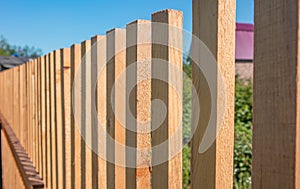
<point>53,120</point>
<point>16,102</point>
<point>39,114</point>
<point>116,63</point>
<point>138,100</point>
<point>23,106</point>
<point>166,59</point>
<point>43,109</point>
<point>20,167</point>
<point>48,124</point>
<point>60,129</point>
<point>87,126</point>
<point>76,124</point>
<point>214,25</point>
<point>98,53</point>
<point>276,139</point>
<point>34,123</point>
<point>67,134</point>
<point>40,96</point>
<point>29,109</point>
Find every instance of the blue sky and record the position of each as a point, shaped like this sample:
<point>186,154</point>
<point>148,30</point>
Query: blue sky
<point>54,24</point>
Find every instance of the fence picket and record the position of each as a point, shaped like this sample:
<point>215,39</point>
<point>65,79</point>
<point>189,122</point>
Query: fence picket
<point>66,116</point>
<point>77,109</point>
<point>138,99</point>
<point>48,125</point>
<point>60,145</point>
<point>98,58</point>
<point>43,118</point>
<point>276,139</point>
<point>116,43</point>
<point>215,27</point>
<point>165,61</point>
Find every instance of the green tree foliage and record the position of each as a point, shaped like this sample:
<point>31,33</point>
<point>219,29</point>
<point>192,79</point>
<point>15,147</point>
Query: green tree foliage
<point>242,136</point>
<point>187,116</point>
<point>7,50</point>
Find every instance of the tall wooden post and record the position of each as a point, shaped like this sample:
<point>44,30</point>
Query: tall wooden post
<point>60,129</point>
<point>48,124</point>
<point>214,25</point>
<point>276,139</point>
<point>76,123</point>
<point>138,100</point>
<point>166,86</point>
<point>86,67</point>
<point>66,116</point>
<point>53,120</point>
<point>116,63</point>
<point>98,53</point>
<point>43,110</point>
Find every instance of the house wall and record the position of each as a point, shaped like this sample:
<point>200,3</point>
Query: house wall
<point>244,70</point>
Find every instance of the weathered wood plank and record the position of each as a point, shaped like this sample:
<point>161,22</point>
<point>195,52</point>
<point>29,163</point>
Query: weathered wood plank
<point>276,139</point>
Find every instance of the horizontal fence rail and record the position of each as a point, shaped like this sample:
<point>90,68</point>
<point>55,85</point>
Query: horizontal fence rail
<point>18,169</point>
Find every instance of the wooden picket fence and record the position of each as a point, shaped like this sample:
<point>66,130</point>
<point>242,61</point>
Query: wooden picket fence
<point>49,132</point>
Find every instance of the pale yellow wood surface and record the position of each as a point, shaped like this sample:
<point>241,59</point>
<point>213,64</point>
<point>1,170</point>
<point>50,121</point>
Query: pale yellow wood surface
<point>276,125</point>
<point>116,59</point>
<point>43,118</point>
<point>77,163</point>
<point>214,25</point>
<point>39,115</point>
<point>33,112</point>
<point>98,58</point>
<point>16,102</point>
<point>36,113</point>
<point>23,106</point>
<point>59,119</point>
<point>48,124</point>
<point>66,119</point>
<point>138,60</point>
<point>53,121</point>
<point>166,60</point>
<point>29,108</point>
<point>87,127</point>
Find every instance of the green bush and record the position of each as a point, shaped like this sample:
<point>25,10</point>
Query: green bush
<point>187,117</point>
<point>242,136</point>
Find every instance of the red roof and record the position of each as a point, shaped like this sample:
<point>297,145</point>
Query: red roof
<point>244,42</point>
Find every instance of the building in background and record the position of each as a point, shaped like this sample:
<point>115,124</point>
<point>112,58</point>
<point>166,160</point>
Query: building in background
<point>7,62</point>
<point>244,50</point>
